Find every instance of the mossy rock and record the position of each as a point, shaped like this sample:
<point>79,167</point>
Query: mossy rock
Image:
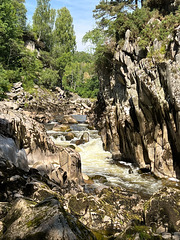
<point>112,209</point>
<point>45,220</point>
<point>163,210</point>
<point>138,232</point>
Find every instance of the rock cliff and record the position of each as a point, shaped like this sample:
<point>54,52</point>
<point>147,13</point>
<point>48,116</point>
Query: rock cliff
<point>138,108</point>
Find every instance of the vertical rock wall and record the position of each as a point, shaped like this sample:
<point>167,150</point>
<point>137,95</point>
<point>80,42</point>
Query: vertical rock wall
<point>138,109</point>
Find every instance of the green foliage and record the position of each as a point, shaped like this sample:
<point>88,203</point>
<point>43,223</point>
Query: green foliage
<point>80,76</point>
<point>160,30</point>
<point>43,22</point>
<point>164,6</point>
<point>11,30</point>
<point>95,36</point>
<point>30,68</point>
<point>4,82</point>
<point>49,78</point>
<point>64,35</point>
<point>89,89</point>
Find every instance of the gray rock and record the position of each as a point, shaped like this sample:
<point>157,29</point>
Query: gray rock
<point>166,236</point>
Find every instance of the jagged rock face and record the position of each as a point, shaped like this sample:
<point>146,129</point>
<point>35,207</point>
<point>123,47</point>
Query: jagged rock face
<point>138,109</point>
<point>28,136</point>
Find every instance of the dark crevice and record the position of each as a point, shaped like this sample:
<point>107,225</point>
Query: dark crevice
<point>133,115</point>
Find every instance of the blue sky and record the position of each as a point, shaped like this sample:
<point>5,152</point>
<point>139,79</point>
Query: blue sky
<point>81,11</point>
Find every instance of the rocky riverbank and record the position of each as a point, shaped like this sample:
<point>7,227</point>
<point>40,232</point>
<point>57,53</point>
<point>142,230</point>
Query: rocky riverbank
<point>43,194</point>
<point>44,105</point>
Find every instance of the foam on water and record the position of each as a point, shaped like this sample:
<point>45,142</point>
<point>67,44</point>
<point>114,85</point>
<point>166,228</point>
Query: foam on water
<point>96,161</point>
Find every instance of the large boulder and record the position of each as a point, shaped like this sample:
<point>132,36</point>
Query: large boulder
<point>46,220</point>
<point>112,209</point>
<point>162,211</point>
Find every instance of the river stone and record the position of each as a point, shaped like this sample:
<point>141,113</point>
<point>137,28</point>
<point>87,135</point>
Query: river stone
<point>69,136</point>
<point>66,119</point>
<point>61,128</point>
<point>85,137</point>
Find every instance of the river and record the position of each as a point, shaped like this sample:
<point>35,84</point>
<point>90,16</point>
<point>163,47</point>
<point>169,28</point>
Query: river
<point>99,165</point>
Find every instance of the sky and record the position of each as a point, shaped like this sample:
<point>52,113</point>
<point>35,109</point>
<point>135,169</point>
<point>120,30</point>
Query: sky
<point>81,12</point>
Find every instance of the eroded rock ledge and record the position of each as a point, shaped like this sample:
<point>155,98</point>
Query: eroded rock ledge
<point>35,149</point>
<point>138,110</point>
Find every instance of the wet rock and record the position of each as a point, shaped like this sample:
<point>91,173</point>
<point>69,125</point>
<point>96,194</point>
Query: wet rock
<point>166,236</point>
<point>176,236</point>
<point>10,152</point>
<point>79,142</point>
<point>61,128</point>
<point>85,137</point>
<point>101,179</point>
<point>69,136</point>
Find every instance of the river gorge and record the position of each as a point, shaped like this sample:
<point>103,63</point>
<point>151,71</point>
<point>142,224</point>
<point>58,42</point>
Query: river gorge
<point>108,169</point>
<point>57,173</point>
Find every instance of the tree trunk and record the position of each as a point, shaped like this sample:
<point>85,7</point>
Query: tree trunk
<point>142,3</point>
<point>136,3</point>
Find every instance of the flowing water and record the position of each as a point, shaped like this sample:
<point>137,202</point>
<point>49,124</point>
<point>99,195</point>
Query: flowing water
<point>99,165</point>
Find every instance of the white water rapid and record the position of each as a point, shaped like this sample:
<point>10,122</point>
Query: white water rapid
<point>99,165</point>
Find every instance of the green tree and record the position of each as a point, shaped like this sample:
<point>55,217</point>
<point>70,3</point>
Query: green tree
<point>80,76</point>
<point>12,23</point>
<point>64,34</point>
<point>64,40</point>
<point>43,22</point>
